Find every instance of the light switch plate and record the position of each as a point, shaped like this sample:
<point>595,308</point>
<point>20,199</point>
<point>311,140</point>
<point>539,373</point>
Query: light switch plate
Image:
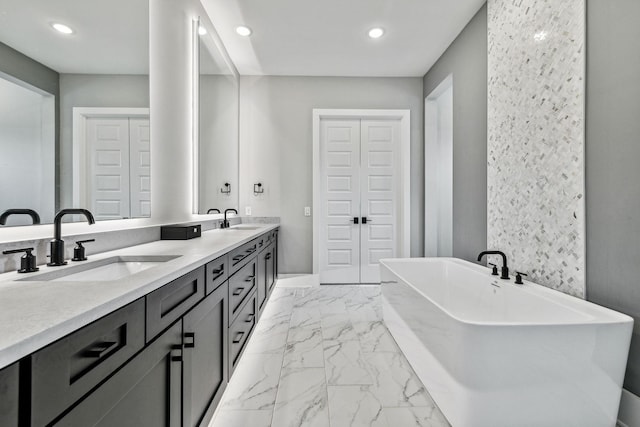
<point>307,211</point>
<point>247,210</point>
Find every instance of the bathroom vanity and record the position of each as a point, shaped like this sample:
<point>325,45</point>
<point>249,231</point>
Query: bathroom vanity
<point>156,347</point>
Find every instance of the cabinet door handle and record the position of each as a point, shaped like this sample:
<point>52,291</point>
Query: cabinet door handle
<point>249,318</point>
<point>238,337</point>
<point>100,349</point>
<point>355,220</point>
<point>238,291</point>
<point>177,358</point>
<point>249,279</point>
<point>191,335</point>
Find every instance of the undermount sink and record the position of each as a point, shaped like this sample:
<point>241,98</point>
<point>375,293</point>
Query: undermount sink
<point>104,270</point>
<point>244,227</point>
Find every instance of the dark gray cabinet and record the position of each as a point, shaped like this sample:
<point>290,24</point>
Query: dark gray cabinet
<point>217,272</point>
<point>266,274</point>
<point>241,285</point>
<point>205,357</point>
<point>241,329</point>
<point>9,392</point>
<point>163,360</point>
<point>170,302</point>
<point>146,392</point>
<point>66,370</point>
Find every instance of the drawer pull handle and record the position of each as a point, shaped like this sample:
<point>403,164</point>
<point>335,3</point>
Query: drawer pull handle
<point>179,357</point>
<point>249,318</point>
<point>238,257</point>
<point>251,250</point>
<point>191,335</point>
<point>238,337</point>
<point>100,349</point>
<point>249,279</point>
<point>238,291</point>
<point>217,270</point>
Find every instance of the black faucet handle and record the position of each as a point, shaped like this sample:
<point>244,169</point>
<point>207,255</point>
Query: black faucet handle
<point>79,251</point>
<point>494,270</point>
<point>80,242</point>
<point>519,278</point>
<point>28,263</point>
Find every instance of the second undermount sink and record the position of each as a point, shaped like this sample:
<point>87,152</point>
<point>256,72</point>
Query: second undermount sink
<point>244,227</point>
<point>103,270</point>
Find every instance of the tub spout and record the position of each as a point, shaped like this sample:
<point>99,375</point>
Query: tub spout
<point>505,269</point>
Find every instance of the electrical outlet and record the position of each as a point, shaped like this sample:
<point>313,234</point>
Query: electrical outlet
<point>307,211</point>
<point>247,210</point>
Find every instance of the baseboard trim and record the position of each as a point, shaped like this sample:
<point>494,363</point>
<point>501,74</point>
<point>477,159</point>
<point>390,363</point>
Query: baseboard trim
<point>629,414</point>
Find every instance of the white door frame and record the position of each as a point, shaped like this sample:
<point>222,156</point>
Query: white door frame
<point>404,217</point>
<point>80,116</point>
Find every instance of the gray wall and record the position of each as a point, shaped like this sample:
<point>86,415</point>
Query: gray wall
<point>612,157</point>
<point>276,149</point>
<point>466,60</point>
<point>92,90</point>
<point>21,67</point>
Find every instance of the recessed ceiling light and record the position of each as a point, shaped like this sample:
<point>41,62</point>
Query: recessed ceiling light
<point>243,31</point>
<point>64,29</point>
<point>376,33</point>
<point>202,30</point>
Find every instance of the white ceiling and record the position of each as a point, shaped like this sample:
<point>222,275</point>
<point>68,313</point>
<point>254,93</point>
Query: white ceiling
<point>329,37</point>
<point>111,36</point>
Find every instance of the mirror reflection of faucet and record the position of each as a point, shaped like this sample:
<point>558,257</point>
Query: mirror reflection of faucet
<point>216,210</point>
<point>225,221</point>
<point>6,214</point>
<point>57,244</point>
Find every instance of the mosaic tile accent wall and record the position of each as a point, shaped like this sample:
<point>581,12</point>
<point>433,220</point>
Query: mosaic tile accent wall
<point>535,130</point>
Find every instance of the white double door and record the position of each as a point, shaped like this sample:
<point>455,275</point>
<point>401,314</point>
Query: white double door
<point>118,167</point>
<point>359,162</point>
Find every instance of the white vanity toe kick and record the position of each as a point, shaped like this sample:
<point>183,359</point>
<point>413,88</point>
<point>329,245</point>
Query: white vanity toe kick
<point>35,313</point>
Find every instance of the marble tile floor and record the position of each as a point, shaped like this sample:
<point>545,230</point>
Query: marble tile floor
<point>322,356</point>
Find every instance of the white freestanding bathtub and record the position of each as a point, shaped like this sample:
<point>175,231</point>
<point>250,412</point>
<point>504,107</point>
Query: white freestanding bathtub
<point>493,353</point>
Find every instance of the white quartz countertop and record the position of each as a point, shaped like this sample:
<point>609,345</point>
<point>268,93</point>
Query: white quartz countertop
<point>36,313</point>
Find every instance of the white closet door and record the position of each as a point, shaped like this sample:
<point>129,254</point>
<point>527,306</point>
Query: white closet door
<point>340,192</point>
<point>378,166</point>
<point>140,156</point>
<point>108,170</point>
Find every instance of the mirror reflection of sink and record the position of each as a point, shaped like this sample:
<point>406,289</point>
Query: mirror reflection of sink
<point>244,227</point>
<point>103,270</point>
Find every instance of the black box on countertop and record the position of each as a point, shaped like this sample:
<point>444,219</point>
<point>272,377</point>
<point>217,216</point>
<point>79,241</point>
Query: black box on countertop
<point>180,231</point>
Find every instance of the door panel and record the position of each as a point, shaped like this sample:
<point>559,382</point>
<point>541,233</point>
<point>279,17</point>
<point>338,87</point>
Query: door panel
<point>108,167</point>
<point>340,189</point>
<point>379,163</point>
<point>140,154</point>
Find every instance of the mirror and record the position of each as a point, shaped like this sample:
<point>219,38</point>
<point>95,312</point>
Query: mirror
<point>78,107</point>
<point>218,124</point>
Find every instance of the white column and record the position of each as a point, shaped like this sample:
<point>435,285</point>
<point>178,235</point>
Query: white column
<point>171,108</point>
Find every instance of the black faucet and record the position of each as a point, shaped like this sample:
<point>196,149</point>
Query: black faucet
<point>57,244</point>
<point>225,221</point>
<point>33,214</point>
<point>213,209</point>
<point>505,269</point>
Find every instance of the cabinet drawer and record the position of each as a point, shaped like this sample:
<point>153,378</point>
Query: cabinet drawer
<point>146,392</point>
<point>217,273</point>
<point>66,370</point>
<point>241,285</point>
<point>241,255</point>
<point>240,330</point>
<point>170,302</point>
